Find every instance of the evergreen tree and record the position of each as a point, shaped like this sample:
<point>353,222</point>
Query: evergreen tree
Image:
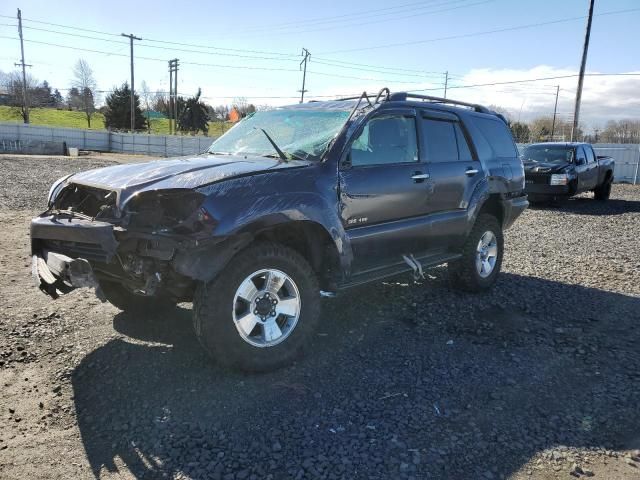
<point>57,98</point>
<point>193,117</point>
<point>117,115</point>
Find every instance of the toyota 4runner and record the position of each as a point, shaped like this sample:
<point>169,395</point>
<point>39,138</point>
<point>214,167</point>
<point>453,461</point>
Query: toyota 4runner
<point>290,205</point>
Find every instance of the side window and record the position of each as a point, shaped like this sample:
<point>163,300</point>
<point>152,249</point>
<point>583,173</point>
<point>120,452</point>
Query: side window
<point>463,147</point>
<point>590,156</point>
<point>498,135</point>
<point>580,156</point>
<point>384,140</point>
<point>440,140</point>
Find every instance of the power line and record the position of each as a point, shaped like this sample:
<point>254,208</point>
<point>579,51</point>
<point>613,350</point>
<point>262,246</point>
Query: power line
<point>388,70</point>
<point>294,28</point>
<point>383,20</point>
<point>508,82</point>
<point>161,48</point>
<point>151,39</point>
<point>335,17</point>
<point>475,34</point>
<point>425,72</point>
<point>214,65</point>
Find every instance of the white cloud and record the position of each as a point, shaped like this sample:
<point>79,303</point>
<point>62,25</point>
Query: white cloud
<point>603,98</point>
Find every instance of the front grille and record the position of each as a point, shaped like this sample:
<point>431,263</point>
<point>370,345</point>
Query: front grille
<point>89,251</point>
<point>538,178</point>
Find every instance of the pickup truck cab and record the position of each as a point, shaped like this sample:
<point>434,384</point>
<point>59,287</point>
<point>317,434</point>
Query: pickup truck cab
<point>556,171</point>
<point>290,205</point>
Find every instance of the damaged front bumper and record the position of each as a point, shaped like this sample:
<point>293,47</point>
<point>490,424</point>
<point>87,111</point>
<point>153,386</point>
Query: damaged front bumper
<point>72,252</point>
<point>61,249</point>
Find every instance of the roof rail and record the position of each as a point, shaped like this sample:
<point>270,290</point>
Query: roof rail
<point>402,96</point>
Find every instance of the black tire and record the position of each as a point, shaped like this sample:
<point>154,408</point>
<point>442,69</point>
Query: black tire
<point>213,307</point>
<point>129,302</point>
<point>603,192</point>
<point>463,273</point>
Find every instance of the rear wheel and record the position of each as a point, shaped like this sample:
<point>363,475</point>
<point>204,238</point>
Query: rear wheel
<point>259,312</point>
<point>603,192</point>
<point>481,260</point>
<point>127,301</point>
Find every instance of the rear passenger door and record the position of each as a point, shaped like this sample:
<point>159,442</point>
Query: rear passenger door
<point>454,173</point>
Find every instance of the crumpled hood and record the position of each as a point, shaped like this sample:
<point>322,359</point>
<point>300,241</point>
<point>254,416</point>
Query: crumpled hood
<point>179,173</point>
<point>543,167</point>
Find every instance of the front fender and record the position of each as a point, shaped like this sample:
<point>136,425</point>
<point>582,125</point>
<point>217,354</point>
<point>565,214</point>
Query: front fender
<point>241,210</point>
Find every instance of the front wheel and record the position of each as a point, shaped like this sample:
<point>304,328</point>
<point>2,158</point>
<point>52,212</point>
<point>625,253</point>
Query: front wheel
<point>481,260</point>
<point>603,192</point>
<point>259,312</point>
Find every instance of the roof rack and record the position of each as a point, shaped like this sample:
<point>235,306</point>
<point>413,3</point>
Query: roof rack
<point>402,96</point>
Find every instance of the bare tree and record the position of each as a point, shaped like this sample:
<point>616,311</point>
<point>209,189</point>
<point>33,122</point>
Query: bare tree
<point>12,83</point>
<point>146,96</point>
<point>85,82</point>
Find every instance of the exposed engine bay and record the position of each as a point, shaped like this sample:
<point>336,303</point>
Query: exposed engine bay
<point>135,247</point>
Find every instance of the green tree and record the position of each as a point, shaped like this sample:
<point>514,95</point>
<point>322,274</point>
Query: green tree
<point>193,117</point>
<point>117,115</point>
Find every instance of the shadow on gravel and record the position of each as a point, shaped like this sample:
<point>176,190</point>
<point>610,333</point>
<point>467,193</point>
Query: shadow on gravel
<point>402,381</point>
<point>589,206</point>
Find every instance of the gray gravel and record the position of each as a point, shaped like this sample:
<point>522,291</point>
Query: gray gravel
<point>536,379</point>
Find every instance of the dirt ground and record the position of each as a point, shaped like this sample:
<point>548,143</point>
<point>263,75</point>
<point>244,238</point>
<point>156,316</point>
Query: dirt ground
<point>540,378</point>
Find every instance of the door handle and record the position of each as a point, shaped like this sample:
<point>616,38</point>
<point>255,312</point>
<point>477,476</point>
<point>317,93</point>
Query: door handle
<point>471,171</point>
<point>419,177</point>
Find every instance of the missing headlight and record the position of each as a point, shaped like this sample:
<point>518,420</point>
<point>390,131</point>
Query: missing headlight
<point>177,211</point>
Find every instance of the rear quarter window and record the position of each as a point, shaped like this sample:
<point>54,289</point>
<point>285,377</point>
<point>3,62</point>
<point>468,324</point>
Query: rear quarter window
<point>497,136</point>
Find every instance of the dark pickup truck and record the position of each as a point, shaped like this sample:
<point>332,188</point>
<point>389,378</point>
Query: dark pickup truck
<point>290,205</point>
<point>554,171</point>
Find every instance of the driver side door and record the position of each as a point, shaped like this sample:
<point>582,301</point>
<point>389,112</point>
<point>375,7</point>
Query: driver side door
<point>384,191</point>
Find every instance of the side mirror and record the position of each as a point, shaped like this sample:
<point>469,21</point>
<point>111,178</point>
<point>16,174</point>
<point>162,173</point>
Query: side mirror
<point>581,161</point>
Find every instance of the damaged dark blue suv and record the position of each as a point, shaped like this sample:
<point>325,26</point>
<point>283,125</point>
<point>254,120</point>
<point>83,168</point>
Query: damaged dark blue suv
<point>291,204</point>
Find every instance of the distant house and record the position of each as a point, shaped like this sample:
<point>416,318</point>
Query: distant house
<point>5,97</point>
<point>235,115</point>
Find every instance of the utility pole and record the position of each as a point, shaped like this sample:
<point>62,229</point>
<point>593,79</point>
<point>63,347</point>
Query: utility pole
<point>131,38</point>
<point>173,96</point>
<point>446,83</point>
<point>306,54</point>
<point>585,48</point>
<point>25,104</point>
<point>555,111</point>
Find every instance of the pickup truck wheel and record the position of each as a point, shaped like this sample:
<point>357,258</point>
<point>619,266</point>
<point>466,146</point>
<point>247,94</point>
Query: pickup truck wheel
<point>603,192</point>
<point>258,313</point>
<point>127,301</point>
<point>481,260</point>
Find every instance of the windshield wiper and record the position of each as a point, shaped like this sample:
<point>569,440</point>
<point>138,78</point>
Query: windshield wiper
<point>281,154</point>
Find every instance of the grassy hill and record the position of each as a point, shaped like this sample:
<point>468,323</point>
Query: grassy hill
<point>52,117</point>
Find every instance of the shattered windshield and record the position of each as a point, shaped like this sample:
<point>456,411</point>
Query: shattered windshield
<point>555,154</point>
<point>299,133</point>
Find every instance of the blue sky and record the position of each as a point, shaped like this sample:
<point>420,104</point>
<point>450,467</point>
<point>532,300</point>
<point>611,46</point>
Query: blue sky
<point>341,32</point>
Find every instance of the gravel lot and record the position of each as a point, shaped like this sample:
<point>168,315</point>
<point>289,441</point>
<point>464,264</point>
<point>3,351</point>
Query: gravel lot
<point>538,379</point>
